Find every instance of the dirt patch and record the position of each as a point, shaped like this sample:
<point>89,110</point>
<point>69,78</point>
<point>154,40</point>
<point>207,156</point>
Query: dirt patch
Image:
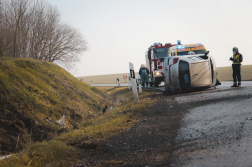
<point>149,142</point>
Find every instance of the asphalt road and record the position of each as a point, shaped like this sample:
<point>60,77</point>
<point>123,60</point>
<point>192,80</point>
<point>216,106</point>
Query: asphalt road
<point>224,85</point>
<point>217,130</point>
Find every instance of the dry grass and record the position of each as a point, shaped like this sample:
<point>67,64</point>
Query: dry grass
<point>52,153</point>
<point>31,90</point>
<point>91,133</point>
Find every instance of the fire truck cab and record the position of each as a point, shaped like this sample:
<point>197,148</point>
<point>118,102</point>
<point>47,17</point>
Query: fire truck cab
<point>154,64</point>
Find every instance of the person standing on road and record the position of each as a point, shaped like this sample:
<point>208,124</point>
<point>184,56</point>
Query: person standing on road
<point>236,66</point>
<point>144,73</point>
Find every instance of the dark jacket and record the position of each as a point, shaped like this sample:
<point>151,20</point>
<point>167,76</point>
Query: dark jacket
<point>143,68</point>
<point>240,60</point>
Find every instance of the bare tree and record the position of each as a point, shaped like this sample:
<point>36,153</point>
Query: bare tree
<point>15,27</point>
<point>66,43</point>
<point>32,29</point>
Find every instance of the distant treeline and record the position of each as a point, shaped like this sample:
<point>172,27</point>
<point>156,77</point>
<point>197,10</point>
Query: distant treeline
<point>32,29</point>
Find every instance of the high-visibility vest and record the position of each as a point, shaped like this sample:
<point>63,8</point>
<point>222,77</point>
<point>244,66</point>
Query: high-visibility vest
<point>235,58</point>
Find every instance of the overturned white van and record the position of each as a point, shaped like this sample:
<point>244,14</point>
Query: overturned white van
<point>194,68</point>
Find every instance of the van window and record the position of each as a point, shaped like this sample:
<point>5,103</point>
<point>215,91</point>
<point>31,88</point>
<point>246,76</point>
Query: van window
<point>184,75</point>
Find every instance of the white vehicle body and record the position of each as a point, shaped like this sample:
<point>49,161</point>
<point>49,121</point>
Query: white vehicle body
<point>182,73</point>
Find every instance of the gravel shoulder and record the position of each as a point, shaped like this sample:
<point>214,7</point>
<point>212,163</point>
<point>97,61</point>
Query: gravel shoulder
<point>150,142</point>
<point>216,131</point>
<point>208,128</point>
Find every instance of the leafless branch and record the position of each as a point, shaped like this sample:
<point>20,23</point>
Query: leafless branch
<point>32,29</point>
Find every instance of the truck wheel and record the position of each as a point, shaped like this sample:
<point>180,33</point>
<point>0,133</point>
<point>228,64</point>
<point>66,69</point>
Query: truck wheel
<point>151,84</point>
<point>155,82</point>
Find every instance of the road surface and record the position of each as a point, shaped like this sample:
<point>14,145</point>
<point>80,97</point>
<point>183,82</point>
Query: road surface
<point>206,128</point>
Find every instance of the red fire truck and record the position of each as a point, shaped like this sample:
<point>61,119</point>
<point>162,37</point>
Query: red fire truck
<point>152,56</point>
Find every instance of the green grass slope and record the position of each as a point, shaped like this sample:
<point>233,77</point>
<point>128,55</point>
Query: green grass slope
<point>31,90</point>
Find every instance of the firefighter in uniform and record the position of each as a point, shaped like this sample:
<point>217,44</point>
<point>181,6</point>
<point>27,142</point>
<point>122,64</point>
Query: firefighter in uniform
<point>236,66</point>
<point>144,73</point>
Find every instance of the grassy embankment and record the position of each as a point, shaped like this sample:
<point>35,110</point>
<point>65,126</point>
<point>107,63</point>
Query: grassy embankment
<point>32,90</point>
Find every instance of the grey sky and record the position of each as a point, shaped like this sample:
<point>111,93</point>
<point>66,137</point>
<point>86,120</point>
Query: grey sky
<point>120,31</point>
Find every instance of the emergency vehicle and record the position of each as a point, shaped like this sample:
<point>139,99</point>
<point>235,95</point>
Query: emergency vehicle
<point>152,56</point>
<point>188,49</point>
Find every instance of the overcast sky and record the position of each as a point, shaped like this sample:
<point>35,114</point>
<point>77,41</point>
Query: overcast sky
<point>120,31</point>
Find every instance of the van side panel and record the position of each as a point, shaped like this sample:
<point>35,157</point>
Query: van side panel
<point>201,74</point>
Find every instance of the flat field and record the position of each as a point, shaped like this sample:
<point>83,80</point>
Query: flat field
<point>224,74</point>
<point>105,79</point>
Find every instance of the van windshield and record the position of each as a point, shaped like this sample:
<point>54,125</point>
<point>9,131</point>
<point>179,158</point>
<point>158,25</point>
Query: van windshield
<point>185,53</point>
<point>160,52</point>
